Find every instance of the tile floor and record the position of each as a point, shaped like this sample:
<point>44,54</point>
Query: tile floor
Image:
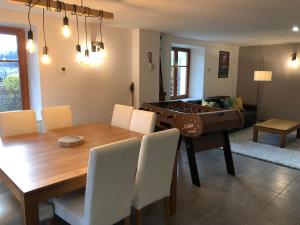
<point>261,193</point>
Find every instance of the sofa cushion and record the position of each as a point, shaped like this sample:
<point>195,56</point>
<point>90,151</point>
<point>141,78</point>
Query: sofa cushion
<point>228,103</point>
<point>239,103</point>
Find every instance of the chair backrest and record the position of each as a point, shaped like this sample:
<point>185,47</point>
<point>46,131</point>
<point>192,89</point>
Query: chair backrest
<point>17,122</point>
<point>155,167</point>
<point>121,116</point>
<point>57,117</point>
<point>142,121</point>
<point>110,182</point>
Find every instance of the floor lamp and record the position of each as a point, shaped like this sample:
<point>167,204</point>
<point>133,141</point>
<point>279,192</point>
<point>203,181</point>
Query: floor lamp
<point>261,76</point>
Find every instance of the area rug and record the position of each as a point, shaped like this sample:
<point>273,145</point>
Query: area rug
<point>267,148</point>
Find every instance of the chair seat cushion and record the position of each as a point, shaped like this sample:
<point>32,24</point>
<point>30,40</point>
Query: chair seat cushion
<point>10,211</point>
<point>70,207</point>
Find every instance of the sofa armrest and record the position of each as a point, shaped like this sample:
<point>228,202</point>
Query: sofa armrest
<point>250,107</point>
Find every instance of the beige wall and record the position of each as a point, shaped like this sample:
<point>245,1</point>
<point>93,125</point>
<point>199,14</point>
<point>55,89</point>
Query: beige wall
<point>212,84</point>
<point>146,81</point>
<point>279,98</point>
<point>91,92</point>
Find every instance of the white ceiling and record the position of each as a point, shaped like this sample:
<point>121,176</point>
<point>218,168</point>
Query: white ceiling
<point>244,22</point>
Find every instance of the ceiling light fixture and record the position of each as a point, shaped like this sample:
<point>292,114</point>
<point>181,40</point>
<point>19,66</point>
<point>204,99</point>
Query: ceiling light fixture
<point>295,29</point>
<point>86,52</point>
<point>294,56</point>
<point>79,57</point>
<point>30,43</point>
<point>293,63</point>
<point>45,57</point>
<point>100,48</point>
<point>77,11</point>
<point>66,29</point>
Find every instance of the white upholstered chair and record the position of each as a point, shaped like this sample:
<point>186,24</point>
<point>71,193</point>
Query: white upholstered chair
<point>142,121</point>
<point>17,122</point>
<point>57,117</point>
<point>155,169</point>
<point>109,190</point>
<point>121,116</point>
<point>10,211</point>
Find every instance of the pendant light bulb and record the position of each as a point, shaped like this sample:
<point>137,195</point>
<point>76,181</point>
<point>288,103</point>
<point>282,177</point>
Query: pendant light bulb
<point>66,29</point>
<point>79,56</point>
<point>87,57</point>
<point>30,42</point>
<point>45,57</point>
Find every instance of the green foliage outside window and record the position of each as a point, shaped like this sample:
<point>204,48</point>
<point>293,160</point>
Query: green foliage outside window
<point>10,93</point>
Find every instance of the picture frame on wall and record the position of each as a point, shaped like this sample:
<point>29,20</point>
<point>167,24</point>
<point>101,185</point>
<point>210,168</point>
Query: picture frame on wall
<point>224,58</point>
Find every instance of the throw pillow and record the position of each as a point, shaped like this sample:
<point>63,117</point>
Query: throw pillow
<point>228,103</point>
<point>239,103</point>
<point>205,103</point>
<point>215,104</point>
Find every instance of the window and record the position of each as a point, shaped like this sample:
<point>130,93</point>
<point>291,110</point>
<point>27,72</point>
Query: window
<point>14,94</point>
<point>180,70</point>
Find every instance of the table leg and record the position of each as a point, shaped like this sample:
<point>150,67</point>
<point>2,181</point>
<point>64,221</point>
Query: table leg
<point>173,192</point>
<point>192,161</point>
<point>228,154</point>
<point>282,140</point>
<point>298,133</point>
<point>255,134</point>
<point>30,211</point>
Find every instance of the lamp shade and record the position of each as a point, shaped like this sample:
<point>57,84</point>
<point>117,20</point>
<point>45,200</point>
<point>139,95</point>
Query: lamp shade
<point>262,75</point>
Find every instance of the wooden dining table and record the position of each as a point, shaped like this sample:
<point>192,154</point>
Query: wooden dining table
<point>35,168</point>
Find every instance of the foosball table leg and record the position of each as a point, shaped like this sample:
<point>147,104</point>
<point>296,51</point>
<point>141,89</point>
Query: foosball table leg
<point>228,154</point>
<point>192,161</point>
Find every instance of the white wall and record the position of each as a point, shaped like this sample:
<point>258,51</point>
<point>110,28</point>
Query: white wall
<point>91,92</point>
<point>197,63</point>
<point>212,84</point>
<point>146,81</point>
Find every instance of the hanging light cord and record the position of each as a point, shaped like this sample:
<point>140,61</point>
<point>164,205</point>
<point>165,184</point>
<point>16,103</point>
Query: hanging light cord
<point>31,5</point>
<point>65,9</point>
<point>101,17</point>
<point>86,44</point>
<point>44,28</point>
<point>77,28</point>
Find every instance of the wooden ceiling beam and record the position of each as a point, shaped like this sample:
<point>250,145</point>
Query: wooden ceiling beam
<point>54,5</point>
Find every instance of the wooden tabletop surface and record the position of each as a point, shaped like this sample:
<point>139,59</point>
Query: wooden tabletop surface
<point>35,161</point>
<point>279,124</point>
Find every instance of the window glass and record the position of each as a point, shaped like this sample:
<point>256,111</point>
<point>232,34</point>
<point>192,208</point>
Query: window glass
<point>8,47</point>
<point>10,89</point>
<point>179,76</point>
<point>182,58</point>
<point>172,82</point>
<point>181,81</point>
<point>172,58</point>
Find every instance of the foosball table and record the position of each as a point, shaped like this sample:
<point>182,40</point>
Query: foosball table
<point>202,128</point>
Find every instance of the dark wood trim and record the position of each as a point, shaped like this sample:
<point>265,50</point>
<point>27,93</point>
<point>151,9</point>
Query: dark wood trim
<point>176,50</point>
<point>20,33</point>
<point>8,60</point>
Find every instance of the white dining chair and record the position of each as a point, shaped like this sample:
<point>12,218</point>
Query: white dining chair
<point>57,117</point>
<point>155,169</point>
<point>142,121</point>
<point>109,190</point>
<point>10,210</point>
<point>121,116</point>
<point>17,122</point>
